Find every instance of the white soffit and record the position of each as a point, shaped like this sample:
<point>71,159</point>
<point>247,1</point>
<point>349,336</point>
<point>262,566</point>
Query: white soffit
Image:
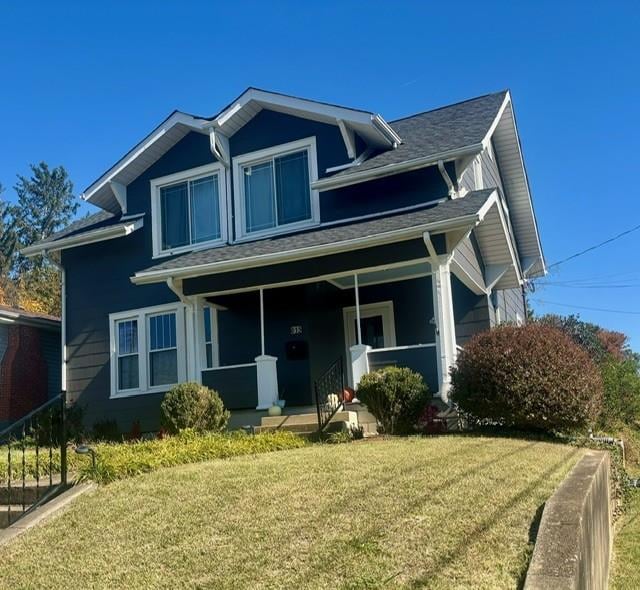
<point>516,186</point>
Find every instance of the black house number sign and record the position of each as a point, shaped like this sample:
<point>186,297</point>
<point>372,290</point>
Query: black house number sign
<point>295,330</point>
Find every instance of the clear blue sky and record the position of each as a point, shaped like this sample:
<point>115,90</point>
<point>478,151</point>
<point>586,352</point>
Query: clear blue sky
<point>82,82</point>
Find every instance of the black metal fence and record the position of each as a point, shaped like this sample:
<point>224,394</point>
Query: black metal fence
<point>36,452</point>
<point>329,392</point>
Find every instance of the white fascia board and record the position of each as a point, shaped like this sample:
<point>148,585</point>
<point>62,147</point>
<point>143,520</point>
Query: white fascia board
<point>334,182</point>
<point>98,235</point>
<point>304,253</point>
<point>200,125</point>
<point>303,105</point>
<point>485,142</point>
<point>496,120</point>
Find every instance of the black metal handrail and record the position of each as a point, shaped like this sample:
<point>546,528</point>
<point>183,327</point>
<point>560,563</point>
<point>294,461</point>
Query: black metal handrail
<point>329,392</point>
<point>34,438</point>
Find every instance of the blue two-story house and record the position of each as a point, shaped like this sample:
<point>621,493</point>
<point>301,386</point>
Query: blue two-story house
<point>250,250</point>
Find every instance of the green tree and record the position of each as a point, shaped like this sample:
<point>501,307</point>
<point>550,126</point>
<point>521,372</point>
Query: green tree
<point>45,205</point>
<point>8,235</point>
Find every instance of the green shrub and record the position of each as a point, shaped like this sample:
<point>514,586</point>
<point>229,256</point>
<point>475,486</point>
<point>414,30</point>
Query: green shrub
<point>532,376</point>
<point>395,396</point>
<point>118,461</point>
<point>621,392</point>
<point>191,405</point>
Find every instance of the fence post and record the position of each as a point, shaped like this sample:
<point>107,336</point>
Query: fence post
<point>63,437</point>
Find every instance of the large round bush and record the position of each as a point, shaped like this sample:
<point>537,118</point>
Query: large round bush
<point>191,405</point>
<point>395,396</point>
<point>532,376</point>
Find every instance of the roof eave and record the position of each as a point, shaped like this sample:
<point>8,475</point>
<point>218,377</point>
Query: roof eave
<point>466,221</point>
<point>334,182</point>
<point>197,124</point>
<point>82,239</point>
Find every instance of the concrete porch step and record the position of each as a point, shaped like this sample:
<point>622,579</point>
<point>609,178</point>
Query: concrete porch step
<point>31,492</point>
<point>305,429</point>
<point>294,420</point>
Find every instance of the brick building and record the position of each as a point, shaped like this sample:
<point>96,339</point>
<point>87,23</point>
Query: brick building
<point>30,361</point>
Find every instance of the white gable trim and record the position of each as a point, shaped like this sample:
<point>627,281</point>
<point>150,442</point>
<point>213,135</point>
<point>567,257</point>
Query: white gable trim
<point>302,107</point>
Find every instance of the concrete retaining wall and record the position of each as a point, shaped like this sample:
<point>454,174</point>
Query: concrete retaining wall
<point>573,546</point>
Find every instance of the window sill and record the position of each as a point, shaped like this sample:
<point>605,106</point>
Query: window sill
<point>279,231</point>
<point>138,392</point>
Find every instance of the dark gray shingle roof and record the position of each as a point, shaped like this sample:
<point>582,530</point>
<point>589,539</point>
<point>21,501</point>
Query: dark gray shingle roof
<point>433,132</point>
<point>450,209</point>
<point>89,223</point>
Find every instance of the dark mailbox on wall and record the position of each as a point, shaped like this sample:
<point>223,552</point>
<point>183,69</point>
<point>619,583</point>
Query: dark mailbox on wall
<point>297,350</point>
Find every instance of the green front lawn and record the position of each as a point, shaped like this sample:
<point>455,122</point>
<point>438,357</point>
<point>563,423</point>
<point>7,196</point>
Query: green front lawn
<point>445,512</point>
<point>625,574</point>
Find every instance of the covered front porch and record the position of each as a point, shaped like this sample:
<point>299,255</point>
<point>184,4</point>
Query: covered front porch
<point>266,321</point>
<point>269,344</point>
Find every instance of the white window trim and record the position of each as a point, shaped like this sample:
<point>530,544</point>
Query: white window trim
<point>182,176</point>
<point>383,308</point>
<point>142,316</point>
<point>309,143</point>
<point>215,342</point>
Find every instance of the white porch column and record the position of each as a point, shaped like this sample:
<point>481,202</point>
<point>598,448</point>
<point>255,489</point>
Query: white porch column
<point>267,381</point>
<point>359,362</point>
<point>267,369</point>
<point>444,324</point>
<point>191,342</point>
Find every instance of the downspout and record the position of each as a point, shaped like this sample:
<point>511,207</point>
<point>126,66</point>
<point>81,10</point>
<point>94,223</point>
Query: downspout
<point>192,330</point>
<point>63,318</point>
<point>453,193</point>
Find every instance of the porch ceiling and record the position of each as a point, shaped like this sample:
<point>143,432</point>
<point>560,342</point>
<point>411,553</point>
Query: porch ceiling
<point>502,268</point>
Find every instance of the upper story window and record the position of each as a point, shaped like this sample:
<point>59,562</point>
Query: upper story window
<point>188,209</point>
<point>272,189</point>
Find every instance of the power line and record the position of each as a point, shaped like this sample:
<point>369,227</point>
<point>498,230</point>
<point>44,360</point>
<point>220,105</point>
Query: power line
<point>621,311</point>
<point>591,248</point>
<point>570,286</point>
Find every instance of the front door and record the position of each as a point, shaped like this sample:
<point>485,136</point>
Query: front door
<point>377,328</point>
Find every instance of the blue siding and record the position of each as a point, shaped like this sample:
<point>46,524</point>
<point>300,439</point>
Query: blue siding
<point>268,129</point>
<point>376,196</point>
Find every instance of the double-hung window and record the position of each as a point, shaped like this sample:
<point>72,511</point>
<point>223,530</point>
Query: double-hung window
<point>188,209</point>
<point>272,189</point>
<point>128,362</point>
<point>163,349</point>
<point>147,350</point>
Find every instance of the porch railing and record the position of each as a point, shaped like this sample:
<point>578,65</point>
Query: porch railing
<point>421,358</point>
<point>329,392</point>
<point>35,448</point>
<point>236,384</point>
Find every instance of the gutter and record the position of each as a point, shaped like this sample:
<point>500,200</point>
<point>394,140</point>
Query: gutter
<point>98,235</point>
<point>403,234</point>
<point>381,171</point>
